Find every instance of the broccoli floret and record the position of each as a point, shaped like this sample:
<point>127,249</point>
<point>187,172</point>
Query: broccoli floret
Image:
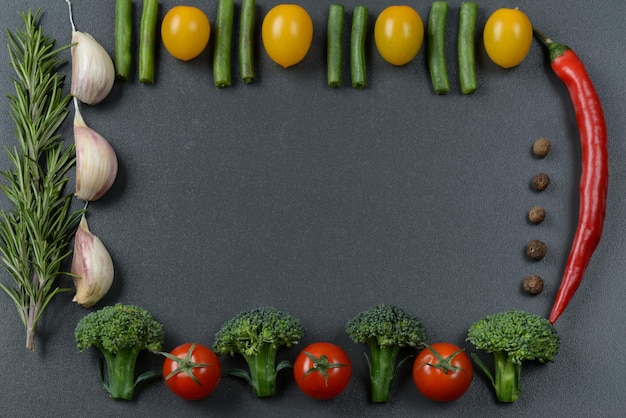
<point>257,335</point>
<point>385,329</point>
<point>120,332</point>
<point>512,337</point>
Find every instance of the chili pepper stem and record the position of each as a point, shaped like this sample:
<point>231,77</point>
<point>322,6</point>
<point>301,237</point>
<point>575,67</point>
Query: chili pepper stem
<point>543,38</point>
<point>555,49</point>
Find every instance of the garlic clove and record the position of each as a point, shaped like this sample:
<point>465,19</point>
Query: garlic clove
<point>96,161</point>
<point>93,72</point>
<point>92,267</point>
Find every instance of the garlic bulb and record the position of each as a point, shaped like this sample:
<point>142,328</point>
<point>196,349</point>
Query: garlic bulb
<point>96,162</point>
<point>93,72</point>
<point>92,267</point>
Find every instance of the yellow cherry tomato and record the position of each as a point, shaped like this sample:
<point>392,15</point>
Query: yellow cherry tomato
<point>507,37</point>
<point>185,32</point>
<point>398,34</point>
<point>287,32</point>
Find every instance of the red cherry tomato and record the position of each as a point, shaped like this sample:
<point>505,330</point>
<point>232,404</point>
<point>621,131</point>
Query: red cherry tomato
<point>442,372</point>
<point>322,370</point>
<point>191,371</point>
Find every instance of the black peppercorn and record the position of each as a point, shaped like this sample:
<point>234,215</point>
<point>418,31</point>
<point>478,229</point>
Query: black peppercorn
<point>533,284</point>
<point>536,214</point>
<point>536,249</point>
<point>542,147</point>
<point>540,181</point>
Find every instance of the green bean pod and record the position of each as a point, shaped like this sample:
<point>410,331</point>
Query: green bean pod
<point>147,40</point>
<point>334,54</point>
<point>357,47</point>
<point>246,41</point>
<point>223,42</point>
<point>466,47</point>
<point>436,47</point>
<point>123,38</point>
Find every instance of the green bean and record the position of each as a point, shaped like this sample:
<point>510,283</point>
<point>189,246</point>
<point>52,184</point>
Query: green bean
<point>147,40</point>
<point>246,41</point>
<point>223,41</point>
<point>334,53</point>
<point>123,36</point>
<point>466,47</point>
<point>436,47</point>
<point>357,47</point>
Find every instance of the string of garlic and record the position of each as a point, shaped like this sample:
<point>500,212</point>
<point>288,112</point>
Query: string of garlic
<point>93,75</point>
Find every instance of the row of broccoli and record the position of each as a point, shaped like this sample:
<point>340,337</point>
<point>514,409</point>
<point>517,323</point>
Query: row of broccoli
<point>121,332</point>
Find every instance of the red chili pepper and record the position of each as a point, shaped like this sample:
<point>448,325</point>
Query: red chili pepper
<point>595,172</point>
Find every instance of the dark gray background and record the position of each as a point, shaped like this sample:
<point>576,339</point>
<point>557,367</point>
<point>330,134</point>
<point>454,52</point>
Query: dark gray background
<point>324,202</point>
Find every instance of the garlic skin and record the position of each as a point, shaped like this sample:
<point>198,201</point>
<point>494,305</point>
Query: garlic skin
<point>96,161</point>
<point>92,267</point>
<point>93,72</point>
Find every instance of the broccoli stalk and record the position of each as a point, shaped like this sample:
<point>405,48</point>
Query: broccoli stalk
<point>257,335</point>
<point>507,380</point>
<point>263,371</point>
<point>382,367</point>
<point>512,337</point>
<point>120,332</point>
<point>385,329</point>
<point>121,371</point>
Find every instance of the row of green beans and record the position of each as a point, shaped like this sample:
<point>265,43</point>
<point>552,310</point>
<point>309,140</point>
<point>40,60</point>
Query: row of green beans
<point>147,39</point>
<point>465,47</point>
<point>334,54</point>
<point>336,15</point>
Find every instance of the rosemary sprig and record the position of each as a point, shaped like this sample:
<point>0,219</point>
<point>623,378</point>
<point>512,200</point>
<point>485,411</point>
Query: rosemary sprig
<point>35,234</point>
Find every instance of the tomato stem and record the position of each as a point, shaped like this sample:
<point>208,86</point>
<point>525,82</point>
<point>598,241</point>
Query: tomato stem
<point>185,364</point>
<point>444,364</point>
<point>321,365</point>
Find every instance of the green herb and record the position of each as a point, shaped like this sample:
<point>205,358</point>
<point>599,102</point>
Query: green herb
<point>35,235</point>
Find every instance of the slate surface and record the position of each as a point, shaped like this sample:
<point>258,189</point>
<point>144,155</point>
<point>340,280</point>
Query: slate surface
<point>323,202</point>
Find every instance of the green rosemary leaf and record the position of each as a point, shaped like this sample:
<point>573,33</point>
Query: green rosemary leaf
<point>35,234</point>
